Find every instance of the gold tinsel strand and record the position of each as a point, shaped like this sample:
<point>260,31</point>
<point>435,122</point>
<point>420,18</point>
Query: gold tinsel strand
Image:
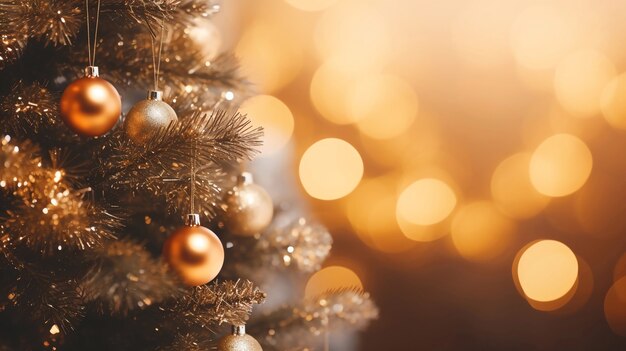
<point>125,277</point>
<point>302,325</point>
<point>217,303</point>
<point>161,167</point>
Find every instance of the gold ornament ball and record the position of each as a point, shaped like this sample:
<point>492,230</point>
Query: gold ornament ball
<point>90,106</point>
<point>148,116</point>
<point>249,208</point>
<point>238,341</point>
<point>195,253</point>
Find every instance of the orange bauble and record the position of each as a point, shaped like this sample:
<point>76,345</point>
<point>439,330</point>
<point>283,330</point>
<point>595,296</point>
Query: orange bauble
<point>90,106</point>
<point>194,252</point>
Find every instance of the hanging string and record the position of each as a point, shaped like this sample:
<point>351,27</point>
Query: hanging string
<point>95,36</point>
<point>193,177</point>
<point>88,31</point>
<point>92,56</point>
<point>156,57</point>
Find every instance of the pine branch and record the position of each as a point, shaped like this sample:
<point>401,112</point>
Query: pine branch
<point>125,277</point>
<point>45,292</point>
<point>297,244</point>
<point>302,326</point>
<point>160,167</point>
<point>31,111</point>
<point>58,22</point>
<point>18,160</point>
<point>11,47</point>
<point>186,72</point>
<point>46,213</point>
<point>208,306</point>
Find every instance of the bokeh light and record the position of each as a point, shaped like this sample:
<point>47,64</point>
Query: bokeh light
<point>579,81</point>
<point>426,201</point>
<point>375,221</point>
<point>270,56</point>
<point>600,208</point>
<point>331,278</point>
<point>274,116</point>
<point>329,90</point>
<point>512,190</point>
<point>615,307</point>
<point>383,106</point>
<point>330,169</point>
<point>354,33</point>
<point>560,165</point>
<point>614,102</point>
<point>480,232</point>
<point>547,270</point>
<point>311,5</point>
<point>479,33</point>
<point>619,271</point>
<point>206,36</point>
<point>540,36</point>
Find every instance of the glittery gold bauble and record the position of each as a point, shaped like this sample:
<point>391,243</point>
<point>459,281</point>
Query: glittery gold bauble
<point>249,208</point>
<point>90,106</point>
<point>194,252</point>
<point>148,116</point>
<point>238,341</point>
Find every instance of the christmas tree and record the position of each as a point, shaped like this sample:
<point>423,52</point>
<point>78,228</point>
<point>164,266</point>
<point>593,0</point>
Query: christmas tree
<point>135,226</point>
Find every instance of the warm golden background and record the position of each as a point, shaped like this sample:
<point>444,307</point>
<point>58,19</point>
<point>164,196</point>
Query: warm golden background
<point>468,156</point>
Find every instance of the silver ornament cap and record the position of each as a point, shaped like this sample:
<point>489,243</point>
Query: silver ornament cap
<point>148,116</point>
<point>192,220</point>
<point>92,71</point>
<point>155,95</point>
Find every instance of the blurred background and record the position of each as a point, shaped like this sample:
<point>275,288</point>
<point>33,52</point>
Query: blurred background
<point>468,157</point>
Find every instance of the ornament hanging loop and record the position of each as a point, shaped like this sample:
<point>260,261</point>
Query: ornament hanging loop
<point>156,56</point>
<point>92,55</point>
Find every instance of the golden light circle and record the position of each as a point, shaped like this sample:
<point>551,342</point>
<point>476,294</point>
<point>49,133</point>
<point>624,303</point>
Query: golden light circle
<point>426,201</point>
<point>422,233</point>
<point>479,33</point>
<point>560,165</point>
<point>275,118</point>
<point>541,36</point>
<point>355,33</point>
<point>512,190</point>
<point>331,278</point>
<point>615,307</point>
<point>547,270</point>
<point>206,35</point>
<point>311,5</point>
<point>375,221</point>
<point>330,169</point>
<point>374,98</point>
<point>479,232</point>
<point>270,56</point>
<point>329,92</point>
<point>579,81</point>
<point>613,102</point>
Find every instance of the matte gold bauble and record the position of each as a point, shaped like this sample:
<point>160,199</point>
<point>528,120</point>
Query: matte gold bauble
<point>90,106</point>
<point>248,208</point>
<point>194,252</point>
<point>238,341</point>
<point>148,116</point>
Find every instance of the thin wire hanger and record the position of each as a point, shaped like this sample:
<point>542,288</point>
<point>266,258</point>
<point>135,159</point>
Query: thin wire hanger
<point>192,186</point>
<point>156,57</point>
<point>92,56</point>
